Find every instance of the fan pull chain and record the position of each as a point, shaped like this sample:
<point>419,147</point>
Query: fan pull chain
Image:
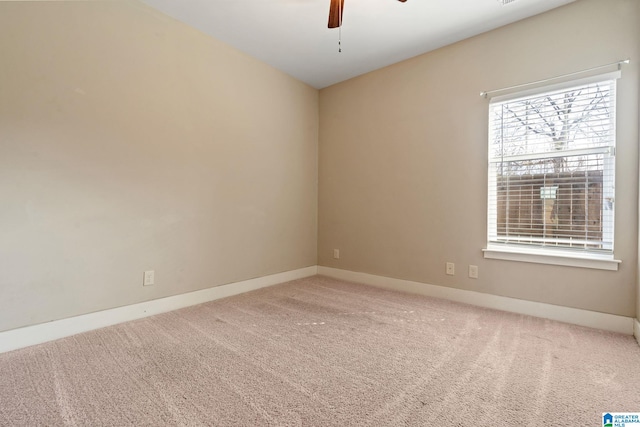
<point>341,5</point>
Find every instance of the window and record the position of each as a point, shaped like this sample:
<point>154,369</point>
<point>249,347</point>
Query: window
<point>551,172</point>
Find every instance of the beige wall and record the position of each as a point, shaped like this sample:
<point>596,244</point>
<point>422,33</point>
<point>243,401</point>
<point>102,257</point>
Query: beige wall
<point>130,142</point>
<point>403,159</point>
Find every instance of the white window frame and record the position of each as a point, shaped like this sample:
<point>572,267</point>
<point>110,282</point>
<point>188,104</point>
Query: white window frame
<point>544,255</point>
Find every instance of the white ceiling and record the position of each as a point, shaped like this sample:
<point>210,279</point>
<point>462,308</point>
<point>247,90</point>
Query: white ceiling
<point>292,35</point>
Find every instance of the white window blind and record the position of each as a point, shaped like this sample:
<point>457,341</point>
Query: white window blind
<point>552,169</point>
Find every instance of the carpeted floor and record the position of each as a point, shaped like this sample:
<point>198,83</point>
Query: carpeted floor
<point>322,352</point>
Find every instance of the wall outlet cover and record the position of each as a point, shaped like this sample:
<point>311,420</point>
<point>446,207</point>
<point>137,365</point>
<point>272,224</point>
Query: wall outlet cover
<point>149,278</point>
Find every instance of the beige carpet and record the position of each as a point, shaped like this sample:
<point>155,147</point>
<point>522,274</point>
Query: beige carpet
<point>322,352</point>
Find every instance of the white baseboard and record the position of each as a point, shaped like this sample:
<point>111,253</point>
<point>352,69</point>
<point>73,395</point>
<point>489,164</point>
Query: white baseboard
<point>593,319</point>
<point>37,334</point>
<point>636,330</point>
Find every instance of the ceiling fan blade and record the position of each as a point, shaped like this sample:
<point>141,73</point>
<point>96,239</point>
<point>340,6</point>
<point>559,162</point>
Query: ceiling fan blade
<point>335,13</point>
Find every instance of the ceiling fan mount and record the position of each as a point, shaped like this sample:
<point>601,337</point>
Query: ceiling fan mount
<point>335,13</point>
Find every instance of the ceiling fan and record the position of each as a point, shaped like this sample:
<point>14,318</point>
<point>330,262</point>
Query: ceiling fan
<point>335,13</point>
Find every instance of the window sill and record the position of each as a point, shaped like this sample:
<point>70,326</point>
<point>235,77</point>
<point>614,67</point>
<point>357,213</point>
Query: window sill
<point>599,262</point>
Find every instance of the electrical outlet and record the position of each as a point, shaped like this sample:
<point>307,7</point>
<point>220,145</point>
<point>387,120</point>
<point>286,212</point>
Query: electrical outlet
<point>451,269</point>
<point>149,278</point>
<point>336,253</point>
<point>473,271</point>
